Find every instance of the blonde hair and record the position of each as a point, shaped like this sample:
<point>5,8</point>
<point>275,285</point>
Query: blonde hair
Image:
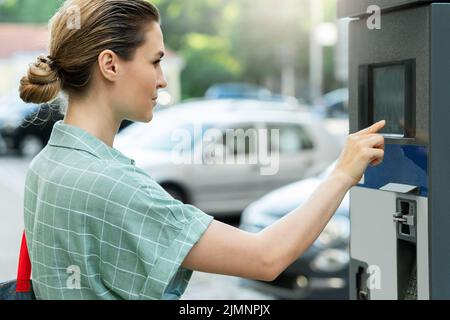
<point>80,31</point>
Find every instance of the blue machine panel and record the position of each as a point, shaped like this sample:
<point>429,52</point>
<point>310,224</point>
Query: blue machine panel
<point>403,164</point>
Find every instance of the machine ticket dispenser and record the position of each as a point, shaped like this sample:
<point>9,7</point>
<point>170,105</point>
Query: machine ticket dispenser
<point>400,211</point>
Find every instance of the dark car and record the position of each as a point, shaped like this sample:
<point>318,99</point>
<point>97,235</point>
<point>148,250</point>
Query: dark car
<point>322,271</point>
<point>23,128</point>
<point>26,128</point>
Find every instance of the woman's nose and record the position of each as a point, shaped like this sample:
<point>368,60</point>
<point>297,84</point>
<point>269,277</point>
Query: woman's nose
<point>162,83</point>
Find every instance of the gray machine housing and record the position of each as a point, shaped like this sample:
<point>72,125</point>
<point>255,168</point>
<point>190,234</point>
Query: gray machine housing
<point>400,212</point>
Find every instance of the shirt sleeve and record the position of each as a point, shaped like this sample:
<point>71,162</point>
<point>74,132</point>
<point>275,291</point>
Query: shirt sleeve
<point>149,239</point>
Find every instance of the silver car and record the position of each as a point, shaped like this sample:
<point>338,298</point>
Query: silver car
<point>221,155</point>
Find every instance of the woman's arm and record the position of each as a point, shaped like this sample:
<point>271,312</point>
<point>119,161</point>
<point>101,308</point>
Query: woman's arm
<point>227,250</point>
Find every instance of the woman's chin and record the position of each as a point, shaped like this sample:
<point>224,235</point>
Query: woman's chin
<point>146,115</point>
<point>149,115</point>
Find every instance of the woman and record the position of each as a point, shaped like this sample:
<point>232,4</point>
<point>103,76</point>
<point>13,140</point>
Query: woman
<point>97,226</point>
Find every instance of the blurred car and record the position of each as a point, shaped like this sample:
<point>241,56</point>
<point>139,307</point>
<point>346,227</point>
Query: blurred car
<point>23,126</point>
<point>193,176</point>
<point>237,90</point>
<point>26,128</point>
<point>322,271</point>
<point>334,104</point>
<point>242,90</point>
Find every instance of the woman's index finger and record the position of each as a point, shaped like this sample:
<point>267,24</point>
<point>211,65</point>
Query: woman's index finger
<point>373,128</point>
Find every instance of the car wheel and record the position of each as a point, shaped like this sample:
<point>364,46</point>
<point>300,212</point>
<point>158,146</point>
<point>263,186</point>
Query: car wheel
<point>30,146</point>
<point>176,192</point>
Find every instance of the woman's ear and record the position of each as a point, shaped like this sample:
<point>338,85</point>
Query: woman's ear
<point>108,63</point>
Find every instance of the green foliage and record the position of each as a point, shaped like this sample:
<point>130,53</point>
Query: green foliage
<point>221,40</point>
<point>208,62</point>
<point>28,11</point>
<point>194,16</point>
<point>263,29</point>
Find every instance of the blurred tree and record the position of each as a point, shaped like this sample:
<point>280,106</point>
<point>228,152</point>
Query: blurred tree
<point>208,62</point>
<point>223,40</point>
<point>330,81</point>
<point>180,18</point>
<point>199,29</point>
<point>264,30</point>
<point>28,11</point>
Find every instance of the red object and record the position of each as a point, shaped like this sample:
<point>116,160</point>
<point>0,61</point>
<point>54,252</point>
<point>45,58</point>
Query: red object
<point>24,268</point>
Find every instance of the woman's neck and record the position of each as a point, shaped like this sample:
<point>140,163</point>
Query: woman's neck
<point>95,116</point>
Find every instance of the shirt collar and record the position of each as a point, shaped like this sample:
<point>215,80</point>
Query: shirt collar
<point>72,137</point>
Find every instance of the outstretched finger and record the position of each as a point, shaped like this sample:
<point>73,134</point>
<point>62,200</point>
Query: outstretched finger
<point>373,128</point>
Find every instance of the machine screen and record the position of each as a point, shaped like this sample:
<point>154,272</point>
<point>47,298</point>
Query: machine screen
<point>389,98</point>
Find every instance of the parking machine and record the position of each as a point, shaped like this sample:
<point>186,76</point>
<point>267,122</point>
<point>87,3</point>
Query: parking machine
<point>399,71</point>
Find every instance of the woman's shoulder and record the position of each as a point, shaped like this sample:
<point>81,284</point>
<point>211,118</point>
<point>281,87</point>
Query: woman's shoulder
<point>88,168</point>
<point>127,172</point>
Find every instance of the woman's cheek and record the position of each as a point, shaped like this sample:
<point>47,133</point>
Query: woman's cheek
<point>151,81</point>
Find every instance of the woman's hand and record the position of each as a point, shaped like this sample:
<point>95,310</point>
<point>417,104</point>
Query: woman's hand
<point>362,148</point>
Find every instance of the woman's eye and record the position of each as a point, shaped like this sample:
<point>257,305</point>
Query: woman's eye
<point>157,62</point>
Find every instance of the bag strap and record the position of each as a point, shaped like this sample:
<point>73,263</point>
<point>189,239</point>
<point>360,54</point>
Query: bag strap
<point>24,268</point>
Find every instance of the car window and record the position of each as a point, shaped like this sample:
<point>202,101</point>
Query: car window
<point>162,136</point>
<point>241,139</point>
<point>292,138</point>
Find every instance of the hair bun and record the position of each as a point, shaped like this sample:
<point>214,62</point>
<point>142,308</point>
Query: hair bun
<point>41,84</point>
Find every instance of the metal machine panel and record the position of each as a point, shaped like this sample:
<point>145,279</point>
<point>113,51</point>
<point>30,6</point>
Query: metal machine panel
<point>372,236</point>
<point>374,239</point>
<point>399,211</point>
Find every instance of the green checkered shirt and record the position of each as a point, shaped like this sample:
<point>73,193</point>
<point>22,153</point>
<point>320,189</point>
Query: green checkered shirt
<point>98,227</point>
